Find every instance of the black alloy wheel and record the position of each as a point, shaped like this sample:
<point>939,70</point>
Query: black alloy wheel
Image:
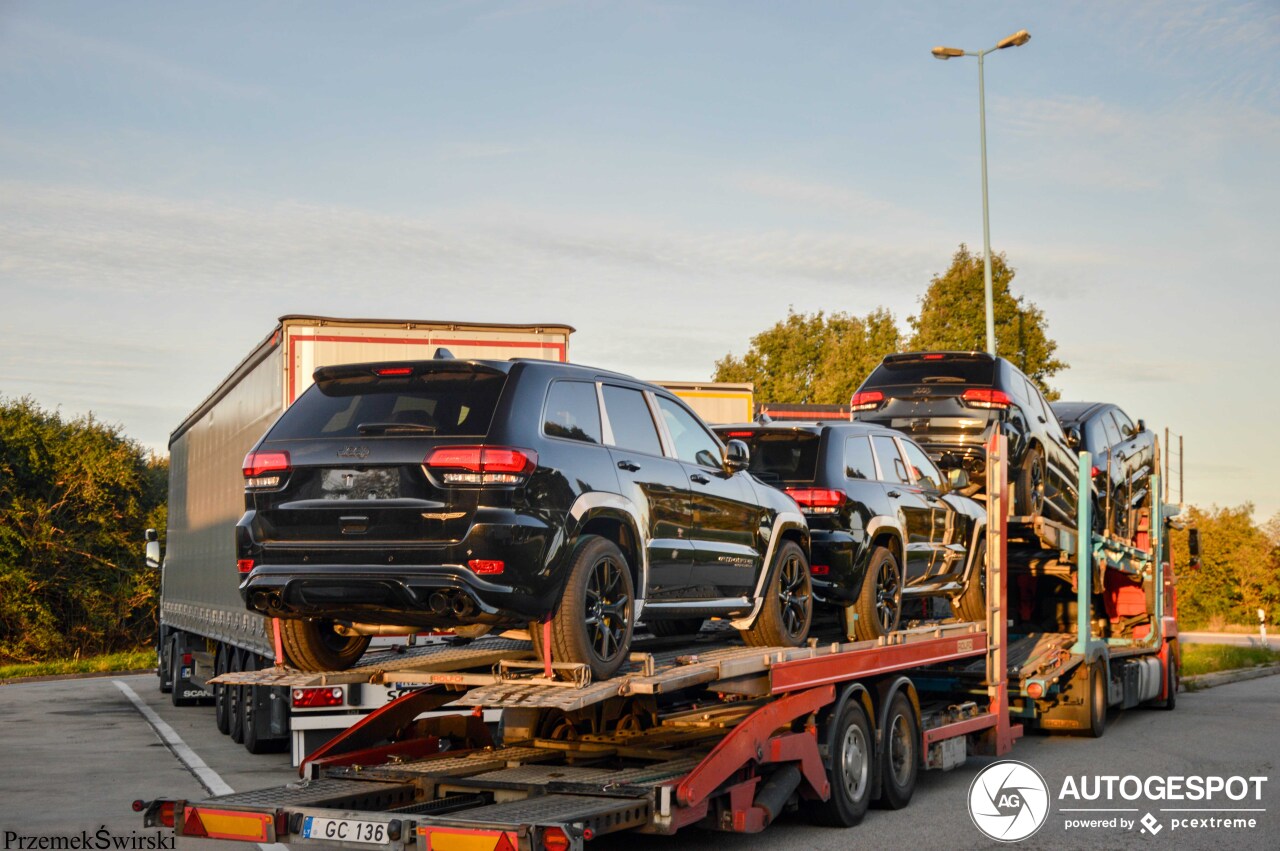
<point>608,600</point>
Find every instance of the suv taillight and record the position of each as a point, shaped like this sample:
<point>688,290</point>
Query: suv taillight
<point>867,400</point>
<point>257,466</point>
<point>982,397</point>
<point>817,500</point>
<point>481,465</point>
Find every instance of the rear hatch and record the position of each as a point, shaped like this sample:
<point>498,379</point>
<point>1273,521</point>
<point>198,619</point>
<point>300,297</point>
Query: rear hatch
<point>386,454</point>
<point>939,398</point>
<point>788,459</point>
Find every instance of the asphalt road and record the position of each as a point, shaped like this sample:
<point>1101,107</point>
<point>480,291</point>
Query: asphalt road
<point>78,752</point>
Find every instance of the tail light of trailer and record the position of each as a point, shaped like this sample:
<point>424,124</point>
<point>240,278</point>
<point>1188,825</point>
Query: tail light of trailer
<point>481,465</point>
<point>555,839</point>
<point>986,397</point>
<point>817,500</point>
<point>265,469</point>
<point>187,660</point>
<point>866,400</point>
<point>318,698</point>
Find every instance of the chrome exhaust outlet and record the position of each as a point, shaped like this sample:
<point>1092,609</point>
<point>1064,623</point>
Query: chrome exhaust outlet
<point>439,603</point>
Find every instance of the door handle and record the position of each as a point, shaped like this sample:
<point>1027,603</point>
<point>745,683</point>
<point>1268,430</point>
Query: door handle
<point>628,466</point>
<point>699,478</point>
<point>894,494</point>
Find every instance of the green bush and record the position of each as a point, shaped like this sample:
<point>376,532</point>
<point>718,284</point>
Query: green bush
<point>75,497</point>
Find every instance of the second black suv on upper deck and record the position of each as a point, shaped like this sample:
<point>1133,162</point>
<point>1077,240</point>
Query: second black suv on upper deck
<point>884,522</point>
<point>1124,459</point>
<point>950,401</point>
<point>477,494</point>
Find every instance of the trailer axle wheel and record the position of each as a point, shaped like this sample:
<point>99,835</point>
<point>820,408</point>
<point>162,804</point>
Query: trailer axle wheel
<point>848,770</point>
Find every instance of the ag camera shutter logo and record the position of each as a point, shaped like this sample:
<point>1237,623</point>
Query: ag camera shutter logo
<point>1008,801</point>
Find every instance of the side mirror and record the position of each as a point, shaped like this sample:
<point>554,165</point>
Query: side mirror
<point>957,478</point>
<point>152,535</point>
<point>1193,547</point>
<point>1142,425</point>
<point>153,553</point>
<point>736,457</point>
<point>1074,438</point>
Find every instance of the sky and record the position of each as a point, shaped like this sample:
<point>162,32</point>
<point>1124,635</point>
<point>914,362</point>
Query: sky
<point>668,178</point>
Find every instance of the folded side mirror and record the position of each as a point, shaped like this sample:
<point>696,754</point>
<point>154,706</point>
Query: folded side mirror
<point>1074,438</point>
<point>736,457</point>
<point>957,478</point>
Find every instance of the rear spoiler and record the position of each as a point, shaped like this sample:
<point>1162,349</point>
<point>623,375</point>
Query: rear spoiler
<point>405,369</point>
<point>915,357</point>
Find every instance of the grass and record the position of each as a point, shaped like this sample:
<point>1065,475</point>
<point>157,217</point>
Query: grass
<point>1207,658</point>
<point>130,660</point>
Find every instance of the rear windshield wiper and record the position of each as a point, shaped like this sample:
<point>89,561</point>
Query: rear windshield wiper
<point>392,428</point>
<point>942,379</point>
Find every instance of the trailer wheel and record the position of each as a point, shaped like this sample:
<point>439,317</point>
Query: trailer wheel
<point>901,746</point>
<point>1028,497</point>
<point>178,683</point>
<point>594,621</point>
<point>235,699</point>
<point>163,671</point>
<point>221,709</point>
<point>313,645</point>
<point>1097,697</point>
<point>879,606</point>
<point>971,603</point>
<point>849,770</point>
<point>787,609</point>
<point>257,723</point>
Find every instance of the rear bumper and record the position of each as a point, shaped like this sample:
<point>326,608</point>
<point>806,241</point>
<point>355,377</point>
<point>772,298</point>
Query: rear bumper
<point>421,595</point>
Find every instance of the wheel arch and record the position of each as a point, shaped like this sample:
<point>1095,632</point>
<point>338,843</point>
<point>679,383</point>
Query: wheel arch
<point>616,519</point>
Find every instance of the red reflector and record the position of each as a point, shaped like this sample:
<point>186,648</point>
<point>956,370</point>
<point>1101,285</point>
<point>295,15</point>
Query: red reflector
<point>311,698</point>
<point>187,658</point>
<point>244,565</point>
<point>191,824</point>
<point>391,371</point>
<point>483,459</point>
<point>555,839</point>
<point>866,400</point>
<point>139,806</point>
<point>1035,691</point>
<point>257,463</point>
<point>486,565</point>
<point>817,497</point>
<point>819,569</point>
<point>165,815</point>
<point>985,397</point>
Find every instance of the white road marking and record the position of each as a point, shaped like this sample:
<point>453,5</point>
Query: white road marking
<point>208,778</point>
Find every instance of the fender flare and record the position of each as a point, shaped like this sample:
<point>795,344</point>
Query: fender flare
<point>885,522</point>
<point>783,521</point>
<point>594,504</point>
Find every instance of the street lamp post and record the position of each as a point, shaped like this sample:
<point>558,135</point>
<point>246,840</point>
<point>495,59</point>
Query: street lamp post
<point>1019,38</point>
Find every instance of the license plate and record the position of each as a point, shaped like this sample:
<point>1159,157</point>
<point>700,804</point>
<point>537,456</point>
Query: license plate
<point>344,830</point>
<point>361,484</point>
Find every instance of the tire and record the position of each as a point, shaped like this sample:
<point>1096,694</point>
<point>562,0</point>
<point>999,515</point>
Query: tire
<point>849,771</point>
<point>786,612</point>
<point>1097,700</point>
<point>175,675</point>
<point>679,626</point>
<point>879,605</point>
<point>163,671</point>
<point>315,646</point>
<point>257,726</point>
<point>235,700</point>
<point>1028,496</point>
<point>221,699</point>
<point>594,622</point>
<point>901,758</point>
<point>1171,679</point>
<point>971,603</point>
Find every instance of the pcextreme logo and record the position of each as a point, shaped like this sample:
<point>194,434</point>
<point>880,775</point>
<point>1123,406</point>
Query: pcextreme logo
<point>1008,801</point>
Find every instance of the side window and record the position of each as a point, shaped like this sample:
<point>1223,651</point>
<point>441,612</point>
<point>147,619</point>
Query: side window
<point>857,459</point>
<point>1095,436</point>
<point>573,412</point>
<point>926,473</point>
<point>1127,428</point>
<point>1113,431</point>
<point>630,420</point>
<point>891,463</point>
<point>693,443</point>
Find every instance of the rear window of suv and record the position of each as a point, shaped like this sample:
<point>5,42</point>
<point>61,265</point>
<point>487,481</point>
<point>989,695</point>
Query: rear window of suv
<point>783,456</point>
<point>450,404</point>
<point>943,371</point>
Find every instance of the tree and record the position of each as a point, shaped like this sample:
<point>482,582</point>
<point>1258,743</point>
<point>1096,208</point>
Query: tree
<point>1239,569</point>
<point>74,498</point>
<point>953,318</point>
<point>813,359</point>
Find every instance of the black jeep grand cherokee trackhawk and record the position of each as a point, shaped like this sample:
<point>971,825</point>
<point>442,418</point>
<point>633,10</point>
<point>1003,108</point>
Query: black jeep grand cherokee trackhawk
<point>480,494</point>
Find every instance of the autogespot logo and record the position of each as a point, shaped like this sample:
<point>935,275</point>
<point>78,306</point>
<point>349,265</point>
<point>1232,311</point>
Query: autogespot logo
<point>1008,801</point>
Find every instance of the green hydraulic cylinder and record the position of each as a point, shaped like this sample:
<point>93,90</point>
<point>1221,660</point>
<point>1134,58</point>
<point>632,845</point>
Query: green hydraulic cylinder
<point>1084,555</point>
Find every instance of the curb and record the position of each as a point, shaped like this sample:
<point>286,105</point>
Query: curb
<point>1236,675</point>
<point>89,675</point>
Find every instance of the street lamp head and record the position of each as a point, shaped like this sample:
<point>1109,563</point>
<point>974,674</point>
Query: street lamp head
<point>948,52</point>
<point>1018,39</point>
